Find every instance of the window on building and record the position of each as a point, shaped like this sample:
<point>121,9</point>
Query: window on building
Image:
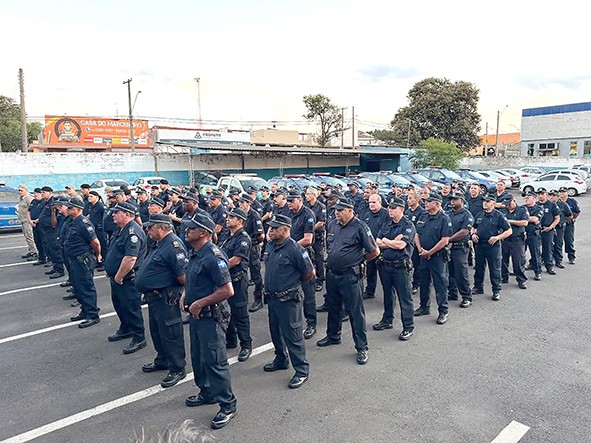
<point>573,151</point>
<point>530,149</point>
<point>587,148</point>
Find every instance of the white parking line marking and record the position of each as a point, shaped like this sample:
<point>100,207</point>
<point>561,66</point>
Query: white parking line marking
<point>512,433</point>
<point>8,265</point>
<point>32,288</point>
<point>10,236</point>
<point>109,406</point>
<point>12,247</point>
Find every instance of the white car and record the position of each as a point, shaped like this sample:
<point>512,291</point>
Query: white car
<point>574,173</point>
<point>523,176</point>
<point>146,183</point>
<point>496,177</point>
<point>100,185</point>
<point>575,185</point>
<point>240,182</point>
<point>533,171</point>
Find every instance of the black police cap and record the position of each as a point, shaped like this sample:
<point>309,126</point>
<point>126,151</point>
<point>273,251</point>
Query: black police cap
<point>200,220</point>
<point>157,201</point>
<point>246,198</point>
<point>75,203</point>
<point>280,220</point>
<point>396,202</point>
<point>125,207</point>
<point>344,203</point>
<point>238,213</point>
<point>293,195</point>
<point>189,196</point>
<point>47,189</point>
<point>158,218</point>
<point>489,198</point>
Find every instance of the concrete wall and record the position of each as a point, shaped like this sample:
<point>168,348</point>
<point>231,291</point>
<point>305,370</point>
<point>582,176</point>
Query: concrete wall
<point>511,162</point>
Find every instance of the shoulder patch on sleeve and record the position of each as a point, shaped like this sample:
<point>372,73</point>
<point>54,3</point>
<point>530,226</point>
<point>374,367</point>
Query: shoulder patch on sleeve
<point>222,264</point>
<point>176,244</point>
<point>134,239</point>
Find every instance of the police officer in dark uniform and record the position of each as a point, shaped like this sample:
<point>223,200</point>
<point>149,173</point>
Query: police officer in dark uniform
<point>96,214</point>
<point>433,231</point>
<point>218,212</point>
<point>109,225</point>
<point>355,195</point>
<point>256,204</point>
<point>35,209</point>
<point>533,234</point>
<point>375,217</point>
<point>83,252</point>
<point>48,224</point>
<point>143,202</point>
<point>549,221</point>
<point>319,210</point>
<point>462,222</point>
<point>303,222</point>
<point>254,228</point>
<point>413,212</point>
<point>208,285</point>
<point>514,246</point>
<point>161,279</point>
<point>287,265</point>
<point>63,222</point>
<point>501,196</point>
<point>475,199</point>
<point>280,203</point>
<point>127,252</point>
<point>175,211</point>
<point>396,241</point>
<point>349,242</point>
<point>237,247</point>
<point>565,215</point>
<point>85,190</point>
<point>569,230</point>
<point>490,228</point>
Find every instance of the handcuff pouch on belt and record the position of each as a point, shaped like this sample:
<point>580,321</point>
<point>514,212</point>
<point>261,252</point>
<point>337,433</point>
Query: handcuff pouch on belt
<point>289,294</point>
<point>87,260</point>
<point>171,294</point>
<point>237,276</point>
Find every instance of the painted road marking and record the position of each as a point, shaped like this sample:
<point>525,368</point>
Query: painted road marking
<point>15,264</point>
<point>109,406</point>
<point>12,247</point>
<point>32,288</point>
<point>512,433</point>
<point>10,236</point>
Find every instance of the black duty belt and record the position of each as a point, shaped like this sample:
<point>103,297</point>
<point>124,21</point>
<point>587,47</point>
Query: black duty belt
<point>459,245</point>
<point>353,270</point>
<point>395,263</point>
<point>237,276</point>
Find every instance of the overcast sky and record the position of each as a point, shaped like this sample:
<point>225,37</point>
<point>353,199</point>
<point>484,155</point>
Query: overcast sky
<point>257,59</point>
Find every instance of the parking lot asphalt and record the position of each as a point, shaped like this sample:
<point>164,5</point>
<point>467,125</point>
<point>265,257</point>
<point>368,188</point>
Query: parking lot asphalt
<point>524,359</point>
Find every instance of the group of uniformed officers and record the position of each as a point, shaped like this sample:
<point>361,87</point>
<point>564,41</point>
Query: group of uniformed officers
<point>181,251</point>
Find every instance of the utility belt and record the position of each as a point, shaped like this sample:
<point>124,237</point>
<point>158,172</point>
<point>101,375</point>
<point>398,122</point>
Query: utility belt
<point>535,233</point>
<point>514,239</point>
<point>87,260</point>
<point>355,270</point>
<point>220,312</point>
<point>561,225</point>
<point>403,263</point>
<point>286,295</point>
<point>237,276</point>
<point>459,245</point>
<point>171,295</point>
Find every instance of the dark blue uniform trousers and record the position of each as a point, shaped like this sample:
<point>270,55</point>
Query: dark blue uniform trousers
<point>53,248</point>
<point>569,240</point>
<point>458,273</point>
<point>558,244</point>
<point>166,329</point>
<point>491,255</point>
<point>516,251</point>
<point>84,289</point>
<point>372,277</point>
<point>254,265</point>
<point>346,290</point>
<point>286,327</point>
<point>434,269</point>
<point>239,326</point>
<point>534,245</point>
<point>397,280</point>
<point>309,289</point>
<point>127,303</point>
<point>318,247</point>
<point>547,249</point>
<point>210,361</point>
<point>102,238</point>
<point>38,239</point>
<point>416,264</point>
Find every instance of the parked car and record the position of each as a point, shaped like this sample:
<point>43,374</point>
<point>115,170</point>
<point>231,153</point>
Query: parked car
<point>575,185</point>
<point>386,180</point>
<point>328,179</point>
<point>583,168</point>
<point>496,177</point>
<point>486,184</point>
<point>515,179</point>
<point>100,185</point>
<point>204,178</point>
<point>362,181</point>
<point>146,182</point>
<point>419,179</point>
<point>573,172</point>
<point>240,182</point>
<point>523,176</point>
<point>295,181</point>
<point>533,171</point>
<point>435,173</point>
<point>9,198</point>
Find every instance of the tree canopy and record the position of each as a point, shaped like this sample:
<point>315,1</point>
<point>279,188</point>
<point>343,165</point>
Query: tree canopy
<point>10,125</point>
<point>326,114</point>
<point>436,152</point>
<point>441,109</point>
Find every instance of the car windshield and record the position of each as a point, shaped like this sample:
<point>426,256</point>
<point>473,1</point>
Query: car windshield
<point>154,181</point>
<point>419,178</point>
<point>253,181</point>
<point>452,175</point>
<point>494,175</point>
<point>477,175</point>
<point>8,195</point>
<point>331,181</point>
<point>116,183</point>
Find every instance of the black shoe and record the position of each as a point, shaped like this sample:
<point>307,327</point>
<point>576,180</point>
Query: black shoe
<point>197,400</point>
<point>344,317</point>
<point>406,334</point>
<point>421,311</point>
<point>297,381</point>
<point>244,354</point>
<point>322,308</point>
<point>319,286</point>
<point>442,319</point>
<point>275,366</point>
<point>118,336</point>
<point>522,285</point>
<point>231,345</point>
<point>309,332</point>
<point>39,263</point>
<point>466,303</point>
<point>256,305</point>
<point>476,290</point>
<point>75,303</point>
<point>559,265</point>
<point>505,280</point>
<point>172,379</point>
<point>71,289</point>
<point>452,298</point>
<point>69,296</point>
<point>50,272</point>
<point>78,317</point>
<point>222,418</point>
<point>528,267</point>
<point>65,284</point>
<point>496,296</point>
<point>414,290</point>
<point>100,267</point>
<point>367,295</point>
<point>327,341</point>
<point>48,264</point>
<point>551,271</point>
<point>33,257</point>
<point>382,325</point>
<point>89,322</point>
<point>27,255</point>
<point>134,346</point>
<point>56,275</point>
<point>537,277</point>
<point>153,367</point>
<point>362,357</point>
<point>571,261</point>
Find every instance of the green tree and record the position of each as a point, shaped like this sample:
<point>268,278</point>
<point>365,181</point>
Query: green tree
<point>442,109</point>
<point>385,135</point>
<point>10,124</point>
<point>436,152</point>
<point>326,114</point>
<point>33,131</point>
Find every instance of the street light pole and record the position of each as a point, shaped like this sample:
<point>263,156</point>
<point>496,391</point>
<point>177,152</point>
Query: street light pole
<point>198,80</point>
<point>497,131</point>
<point>131,136</point>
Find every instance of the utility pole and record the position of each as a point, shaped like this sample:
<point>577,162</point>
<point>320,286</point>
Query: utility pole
<point>353,127</point>
<point>408,135</point>
<point>343,127</point>
<point>21,82</point>
<point>497,135</point>
<point>198,80</point>
<point>131,135</point>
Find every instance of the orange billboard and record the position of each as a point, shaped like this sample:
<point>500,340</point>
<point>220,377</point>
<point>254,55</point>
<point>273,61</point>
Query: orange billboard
<point>94,131</point>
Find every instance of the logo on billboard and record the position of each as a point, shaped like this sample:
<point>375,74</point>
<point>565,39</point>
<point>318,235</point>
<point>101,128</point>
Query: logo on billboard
<point>69,130</point>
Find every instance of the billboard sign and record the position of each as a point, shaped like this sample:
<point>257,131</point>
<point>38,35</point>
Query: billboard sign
<point>168,135</point>
<point>94,131</point>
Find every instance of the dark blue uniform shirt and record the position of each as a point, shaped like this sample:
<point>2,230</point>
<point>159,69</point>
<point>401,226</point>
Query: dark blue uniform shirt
<point>489,224</point>
<point>347,245</point>
<point>475,205</point>
<point>258,207</point>
<point>285,265</point>
<point>109,226</point>
<point>520,213</point>
<point>78,236</point>
<point>504,196</point>
<point>86,209</point>
<point>45,216</point>
<point>414,216</point>
<point>572,203</point>
<point>63,226</point>
<point>143,209</point>
<point>96,214</point>
<point>127,241</point>
<point>302,222</point>
<point>218,215</point>
<point>534,211</point>
<point>284,210</point>
<point>391,230</point>
<point>461,219</point>
<point>36,208</point>
<point>319,210</point>
<point>207,271</point>
<point>375,220</point>
<point>177,211</point>
<point>550,211</point>
<point>238,245</point>
<point>432,228</point>
<point>564,211</point>
<point>166,261</point>
<point>254,226</point>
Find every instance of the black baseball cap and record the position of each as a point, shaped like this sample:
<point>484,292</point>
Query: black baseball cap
<point>489,198</point>
<point>47,189</point>
<point>191,197</point>
<point>542,191</point>
<point>157,201</point>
